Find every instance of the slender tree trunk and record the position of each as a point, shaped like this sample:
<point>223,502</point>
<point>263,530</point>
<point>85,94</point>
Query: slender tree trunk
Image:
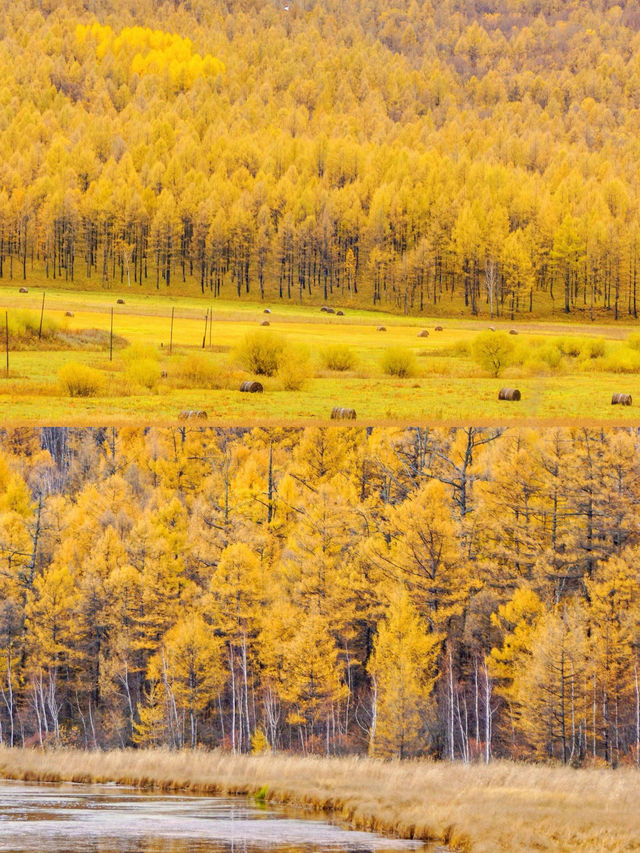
<point>487,715</point>
<point>233,699</point>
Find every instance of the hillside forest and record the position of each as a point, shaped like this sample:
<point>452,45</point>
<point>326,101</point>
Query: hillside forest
<point>461,155</point>
<point>459,593</point>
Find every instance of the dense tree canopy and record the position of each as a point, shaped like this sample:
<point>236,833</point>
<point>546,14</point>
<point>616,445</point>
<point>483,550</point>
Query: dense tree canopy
<point>461,593</point>
<point>466,155</point>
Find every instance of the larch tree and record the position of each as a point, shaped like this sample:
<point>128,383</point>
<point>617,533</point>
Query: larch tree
<point>403,670</point>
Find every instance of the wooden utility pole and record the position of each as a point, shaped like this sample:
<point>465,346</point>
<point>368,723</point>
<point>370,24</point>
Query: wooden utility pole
<point>41,317</point>
<point>6,337</point>
<point>111,338</point>
<point>206,320</point>
<point>171,332</point>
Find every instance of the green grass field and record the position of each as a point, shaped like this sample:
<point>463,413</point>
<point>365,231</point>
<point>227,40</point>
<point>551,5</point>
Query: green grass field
<point>446,385</point>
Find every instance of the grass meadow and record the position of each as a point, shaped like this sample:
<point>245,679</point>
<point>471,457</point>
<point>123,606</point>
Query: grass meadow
<point>472,808</point>
<point>566,373</point>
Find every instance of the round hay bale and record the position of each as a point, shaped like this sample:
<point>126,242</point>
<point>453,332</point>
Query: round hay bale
<point>381,329</point>
<point>492,328</point>
<point>119,301</point>
<point>267,311</point>
<point>69,314</point>
<point>339,313</point>
<point>509,394</point>
<point>23,290</point>
<point>343,413</point>
<point>438,328</point>
<point>513,331</point>
<point>423,334</point>
<point>621,400</point>
<point>252,387</point>
<point>188,414</point>
<point>265,323</point>
<point>324,309</point>
<point>331,310</point>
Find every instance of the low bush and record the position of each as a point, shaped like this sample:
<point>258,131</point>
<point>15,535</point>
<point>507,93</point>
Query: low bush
<point>619,360</point>
<point>199,371</point>
<point>25,325</point>
<point>534,366</point>
<point>550,354</point>
<point>593,348</point>
<point>338,357</point>
<point>294,370</point>
<point>398,362</point>
<point>139,352</point>
<point>79,380</point>
<point>492,351</point>
<point>570,346</point>
<point>261,352</point>
<point>581,347</point>
<point>144,372</point>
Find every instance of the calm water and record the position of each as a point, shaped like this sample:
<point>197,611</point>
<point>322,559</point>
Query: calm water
<point>109,819</point>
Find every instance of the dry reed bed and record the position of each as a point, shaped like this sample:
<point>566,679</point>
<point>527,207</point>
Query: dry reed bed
<point>502,807</point>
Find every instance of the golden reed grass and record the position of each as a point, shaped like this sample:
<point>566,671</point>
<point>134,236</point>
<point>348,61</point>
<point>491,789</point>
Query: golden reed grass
<point>500,807</point>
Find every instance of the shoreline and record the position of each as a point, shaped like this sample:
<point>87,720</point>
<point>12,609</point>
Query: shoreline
<point>502,806</point>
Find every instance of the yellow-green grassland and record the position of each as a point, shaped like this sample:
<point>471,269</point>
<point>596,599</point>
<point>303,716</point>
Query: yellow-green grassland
<point>565,373</point>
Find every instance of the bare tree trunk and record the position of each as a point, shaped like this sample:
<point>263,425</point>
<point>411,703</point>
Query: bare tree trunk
<point>374,717</point>
<point>491,281</point>
<point>272,711</point>
<point>476,702</point>
<point>7,698</point>
<point>233,699</point>
<point>52,703</point>
<point>246,691</point>
<point>488,714</point>
<point>451,710</point>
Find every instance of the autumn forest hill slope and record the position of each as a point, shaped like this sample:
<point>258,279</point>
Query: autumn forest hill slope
<point>481,153</point>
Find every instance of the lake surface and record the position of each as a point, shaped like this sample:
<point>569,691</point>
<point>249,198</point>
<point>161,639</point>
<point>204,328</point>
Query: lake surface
<point>110,819</point>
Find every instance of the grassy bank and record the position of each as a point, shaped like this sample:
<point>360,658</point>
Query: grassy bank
<point>502,807</point>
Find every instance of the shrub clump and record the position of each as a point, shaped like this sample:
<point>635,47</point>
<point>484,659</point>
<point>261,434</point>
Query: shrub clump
<point>538,357</point>
<point>620,360</point>
<point>582,348</point>
<point>398,362</point>
<point>24,327</point>
<point>492,351</point>
<point>571,346</point>
<point>550,354</point>
<point>633,341</point>
<point>198,371</point>
<point>592,348</point>
<point>144,372</point>
<point>293,370</point>
<point>79,380</point>
<point>139,352</point>
<point>338,357</point>
<point>261,353</point>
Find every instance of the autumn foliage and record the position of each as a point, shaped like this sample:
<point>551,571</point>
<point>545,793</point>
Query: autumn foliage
<point>422,156</point>
<point>465,594</point>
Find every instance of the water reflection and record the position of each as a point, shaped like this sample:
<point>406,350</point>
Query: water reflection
<point>108,819</point>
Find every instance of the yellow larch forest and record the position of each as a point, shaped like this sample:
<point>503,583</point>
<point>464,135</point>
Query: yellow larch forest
<point>422,156</point>
<point>466,593</point>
